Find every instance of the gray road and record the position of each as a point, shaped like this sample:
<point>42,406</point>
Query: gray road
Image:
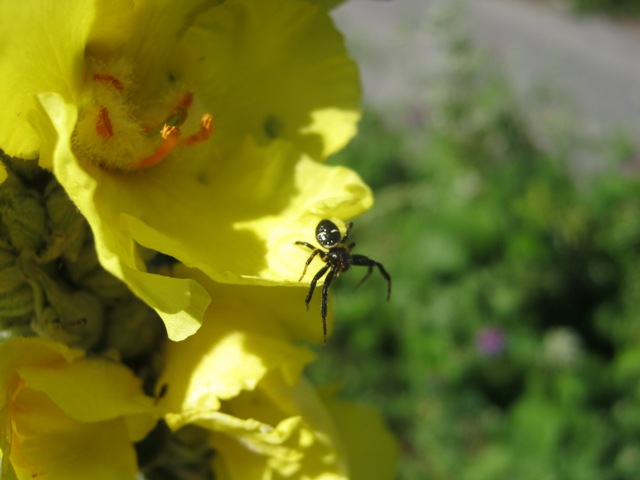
<point>593,63</point>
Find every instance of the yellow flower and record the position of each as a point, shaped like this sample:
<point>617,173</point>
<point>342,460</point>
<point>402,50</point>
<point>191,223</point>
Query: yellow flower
<point>65,416</point>
<point>194,130</point>
<point>239,376</point>
<point>189,128</point>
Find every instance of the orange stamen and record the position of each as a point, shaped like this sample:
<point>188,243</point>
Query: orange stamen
<point>177,116</point>
<point>186,100</point>
<point>108,80</point>
<point>168,144</point>
<point>202,135</point>
<point>103,123</point>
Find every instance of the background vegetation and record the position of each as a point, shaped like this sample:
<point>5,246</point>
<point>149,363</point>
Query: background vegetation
<point>614,7</point>
<point>511,345</point>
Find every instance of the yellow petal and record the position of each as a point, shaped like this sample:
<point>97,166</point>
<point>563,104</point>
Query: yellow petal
<point>279,430</point>
<point>231,353</point>
<point>50,444</point>
<point>157,26</point>
<point>238,223</point>
<point>93,391</point>
<point>43,47</point>
<point>278,312</point>
<point>66,416</point>
<point>273,69</point>
<point>264,449</point>
<point>371,450</point>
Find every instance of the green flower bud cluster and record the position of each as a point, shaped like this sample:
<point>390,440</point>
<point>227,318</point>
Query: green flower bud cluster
<point>185,453</point>
<point>51,282</point>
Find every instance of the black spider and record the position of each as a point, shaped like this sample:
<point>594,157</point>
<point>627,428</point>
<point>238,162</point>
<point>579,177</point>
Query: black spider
<point>338,259</point>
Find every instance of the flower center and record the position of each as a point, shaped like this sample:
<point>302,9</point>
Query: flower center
<point>118,131</point>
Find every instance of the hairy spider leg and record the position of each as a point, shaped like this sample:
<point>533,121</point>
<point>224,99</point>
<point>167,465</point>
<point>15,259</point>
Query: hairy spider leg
<point>315,252</point>
<point>325,294</point>
<point>363,261</point>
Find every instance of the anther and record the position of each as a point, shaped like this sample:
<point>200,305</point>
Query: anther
<point>169,130</point>
<point>103,123</point>
<point>108,80</point>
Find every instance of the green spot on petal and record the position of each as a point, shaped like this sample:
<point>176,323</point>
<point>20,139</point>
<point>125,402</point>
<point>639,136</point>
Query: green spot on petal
<point>273,126</point>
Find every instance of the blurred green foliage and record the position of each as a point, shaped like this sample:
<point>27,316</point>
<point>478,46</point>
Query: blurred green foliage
<point>614,7</point>
<point>510,348</point>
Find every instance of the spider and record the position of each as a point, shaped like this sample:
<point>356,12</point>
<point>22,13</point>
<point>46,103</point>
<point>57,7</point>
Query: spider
<point>338,259</point>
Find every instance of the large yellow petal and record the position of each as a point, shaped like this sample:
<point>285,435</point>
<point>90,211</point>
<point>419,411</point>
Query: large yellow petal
<point>273,69</point>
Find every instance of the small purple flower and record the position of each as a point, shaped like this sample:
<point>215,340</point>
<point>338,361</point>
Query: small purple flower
<point>490,341</point>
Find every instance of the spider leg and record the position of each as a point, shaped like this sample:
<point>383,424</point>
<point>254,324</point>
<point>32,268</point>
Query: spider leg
<point>363,261</point>
<point>315,252</point>
<point>312,285</point>
<point>346,234</point>
<point>306,265</point>
<point>325,294</point>
<point>365,277</point>
<point>305,244</point>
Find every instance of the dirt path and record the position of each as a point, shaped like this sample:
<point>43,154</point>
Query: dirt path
<point>593,62</point>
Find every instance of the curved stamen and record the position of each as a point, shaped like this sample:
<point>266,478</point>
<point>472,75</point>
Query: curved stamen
<point>202,135</point>
<point>168,144</point>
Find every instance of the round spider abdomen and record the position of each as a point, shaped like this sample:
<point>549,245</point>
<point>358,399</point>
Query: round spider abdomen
<point>328,234</point>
